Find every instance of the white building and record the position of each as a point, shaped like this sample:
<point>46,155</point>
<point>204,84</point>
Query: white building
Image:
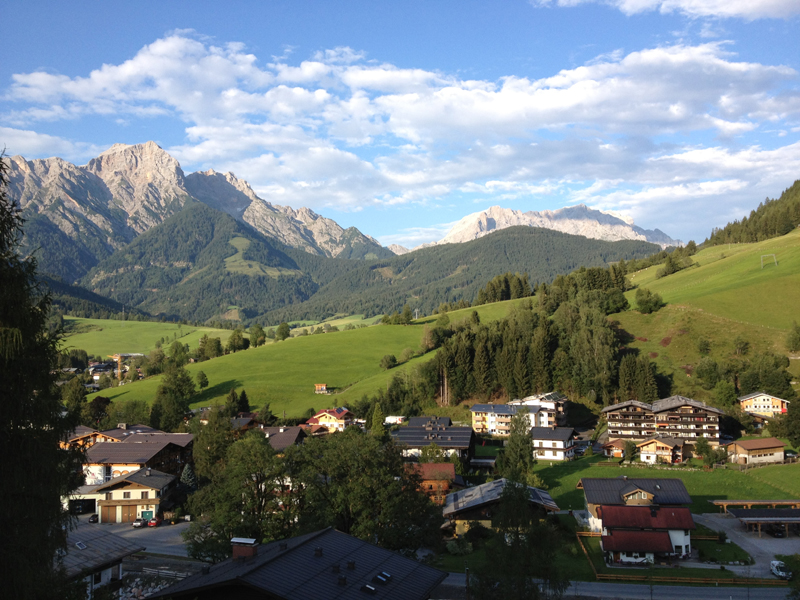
<point>554,443</point>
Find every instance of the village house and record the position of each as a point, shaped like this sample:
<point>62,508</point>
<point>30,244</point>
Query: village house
<point>83,437</point>
<point>280,438</point>
<point>554,443</point>
<point>434,421</point>
<point>756,451</point>
<point>637,534</point>
<point>495,419</point>
<point>94,555</point>
<point>479,504</point>
<point>763,405</point>
<point>551,403</point>
<point>324,565</point>
<point>675,417</point>
<point>142,494</point>
<point>438,480</point>
<point>614,449</point>
<point>106,460</point>
<point>671,451</point>
<point>627,491</point>
<point>334,419</point>
<point>452,440</point>
<point>640,520</point>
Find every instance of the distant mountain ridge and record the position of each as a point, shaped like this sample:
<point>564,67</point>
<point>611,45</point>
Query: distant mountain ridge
<point>80,215</point>
<point>574,220</point>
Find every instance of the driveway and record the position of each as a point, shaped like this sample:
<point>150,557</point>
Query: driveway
<point>164,539</point>
<point>762,549</point>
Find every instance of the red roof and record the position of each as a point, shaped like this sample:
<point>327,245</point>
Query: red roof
<point>436,471</point>
<point>645,517</point>
<point>636,541</point>
<point>337,413</point>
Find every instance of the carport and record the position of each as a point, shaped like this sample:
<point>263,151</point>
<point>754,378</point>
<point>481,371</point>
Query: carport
<point>757,517</point>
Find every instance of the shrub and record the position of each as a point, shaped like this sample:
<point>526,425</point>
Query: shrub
<point>459,547</point>
<point>647,301</point>
<point>389,361</point>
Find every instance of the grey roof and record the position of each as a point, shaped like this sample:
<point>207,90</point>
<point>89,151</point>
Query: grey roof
<point>423,421</point>
<point>120,433</point>
<point>156,480</point>
<point>777,515</point>
<point>611,490</point>
<point>101,548</point>
<point>295,571</point>
<point>627,403</point>
<point>489,493</point>
<point>179,439</point>
<point>754,394</point>
<point>498,409</point>
<point>444,437</point>
<point>281,438</point>
<point>664,404</point>
<point>561,434</point>
<point>676,401</point>
<point>116,453</point>
<point>79,431</point>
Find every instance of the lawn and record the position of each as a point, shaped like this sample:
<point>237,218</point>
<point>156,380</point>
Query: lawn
<point>104,336</point>
<point>722,553</point>
<point>720,484</point>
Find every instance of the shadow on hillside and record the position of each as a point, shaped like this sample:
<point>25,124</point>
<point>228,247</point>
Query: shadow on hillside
<point>220,389</point>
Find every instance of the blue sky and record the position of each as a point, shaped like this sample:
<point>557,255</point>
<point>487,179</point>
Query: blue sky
<point>400,118</point>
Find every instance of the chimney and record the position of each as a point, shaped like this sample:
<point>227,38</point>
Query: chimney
<point>122,425</point>
<point>244,548</point>
<point>342,580</point>
<point>351,565</point>
<point>147,472</point>
<point>318,551</point>
<point>624,478</point>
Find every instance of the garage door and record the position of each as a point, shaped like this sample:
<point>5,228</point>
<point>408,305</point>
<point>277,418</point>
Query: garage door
<point>128,514</point>
<point>108,514</point>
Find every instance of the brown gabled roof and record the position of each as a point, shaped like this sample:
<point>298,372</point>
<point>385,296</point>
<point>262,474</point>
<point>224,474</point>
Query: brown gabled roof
<point>615,444</point>
<point>645,517</point>
<point>116,453</point>
<point>759,444</point>
<point>637,541</point>
<point>435,471</point>
<point>667,441</point>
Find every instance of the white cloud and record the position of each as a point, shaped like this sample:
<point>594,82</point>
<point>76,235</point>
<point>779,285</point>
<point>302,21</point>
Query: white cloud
<point>30,143</point>
<point>744,9</point>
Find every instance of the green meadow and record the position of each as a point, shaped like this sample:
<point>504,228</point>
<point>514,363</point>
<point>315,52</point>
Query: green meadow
<point>104,337</point>
<point>729,282</point>
<point>284,373</point>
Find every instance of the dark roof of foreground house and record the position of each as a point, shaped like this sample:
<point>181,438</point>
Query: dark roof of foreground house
<point>646,517</point>
<point>116,453</point>
<point>429,421</point>
<point>489,493</point>
<point>323,565</point>
<point>151,478</point>
<point>281,438</point>
<point>179,439</point>
<point>124,430</point>
<point>664,404</point>
<point>444,437</point>
<point>637,541</point>
<point>612,490</point>
<point>556,434</point>
<point>92,547</point>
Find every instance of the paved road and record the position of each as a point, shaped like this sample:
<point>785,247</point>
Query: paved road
<point>623,591</point>
<point>164,539</point>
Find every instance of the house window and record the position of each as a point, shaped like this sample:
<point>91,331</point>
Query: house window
<point>678,549</point>
<point>109,495</point>
<point>97,578</point>
<point>126,495</point>
<point>554,444</point>
<point>145,495</point>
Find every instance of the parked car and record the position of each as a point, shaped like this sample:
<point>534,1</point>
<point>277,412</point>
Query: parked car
<point>154,522</point>
<point>790,454</point>
<point>779,570</point>
<point>139,523</point>
<point>93,518</point>
<point>776,532</point>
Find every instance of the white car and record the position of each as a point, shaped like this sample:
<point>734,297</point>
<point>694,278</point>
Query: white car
<point>779,570</point>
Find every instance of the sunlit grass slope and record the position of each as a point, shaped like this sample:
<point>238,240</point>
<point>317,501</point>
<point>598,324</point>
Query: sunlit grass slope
<point>104,337</point>
<point>730,282</point>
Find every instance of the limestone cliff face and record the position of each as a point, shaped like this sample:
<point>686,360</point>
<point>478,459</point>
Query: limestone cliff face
<point>78,215</point>
<point>574,220</point>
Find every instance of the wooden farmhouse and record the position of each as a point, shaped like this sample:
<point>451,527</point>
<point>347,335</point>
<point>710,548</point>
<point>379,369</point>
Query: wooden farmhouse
<point>670,451</point>
<point>757,451</point>
<point>142,494</point>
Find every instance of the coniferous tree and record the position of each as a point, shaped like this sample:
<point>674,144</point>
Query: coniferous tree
<point>211,443</point>
<point>232,403</point>
<point>36,472</point>
<point>188,478</point>
<point>244,402</point>
<point>518,457</point>
<point>377,429</point>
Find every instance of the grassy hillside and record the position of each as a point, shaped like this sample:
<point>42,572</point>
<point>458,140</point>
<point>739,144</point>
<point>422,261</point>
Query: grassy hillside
<point>104,337</point>
<point>729,282</point>
<point>728,295</point>
<point>284,373</point>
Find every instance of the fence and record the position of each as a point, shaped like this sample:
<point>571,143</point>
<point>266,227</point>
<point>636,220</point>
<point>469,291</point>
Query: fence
<point>164,573</point>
